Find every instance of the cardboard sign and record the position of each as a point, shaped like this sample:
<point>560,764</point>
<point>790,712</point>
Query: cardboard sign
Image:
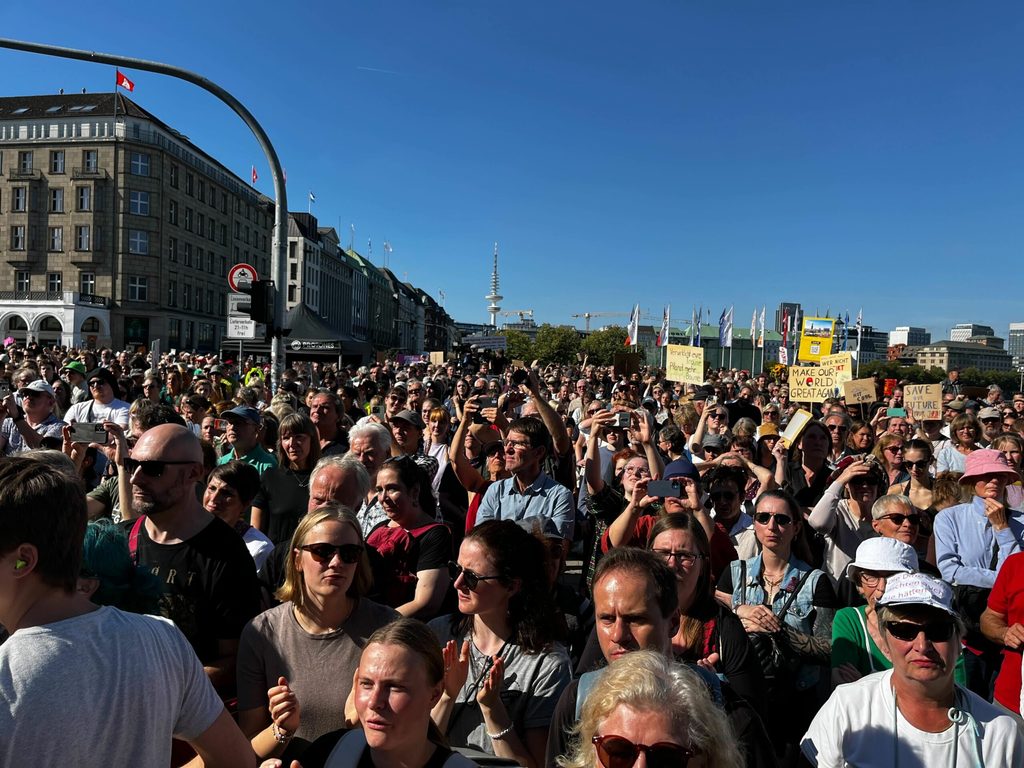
<point>437,358</point>
<point>859,391</point>
<point>626,364</point>
<point>796,425</point>
<point>841,363</point>
<point>811,383</point>
<point>925,400</point>
<point>815,339</point>
<point>783,356</point>
<point>684,364</point>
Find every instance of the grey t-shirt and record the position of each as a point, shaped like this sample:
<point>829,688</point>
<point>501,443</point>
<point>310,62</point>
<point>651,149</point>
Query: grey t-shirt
<point>533,682</point>
<point>105,688</point>
<point>319,668</point>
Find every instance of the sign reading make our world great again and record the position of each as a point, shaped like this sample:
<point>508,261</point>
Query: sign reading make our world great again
<point>812,383</point>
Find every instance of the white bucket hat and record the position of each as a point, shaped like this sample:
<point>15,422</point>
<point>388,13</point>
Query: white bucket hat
<point>883,554</point>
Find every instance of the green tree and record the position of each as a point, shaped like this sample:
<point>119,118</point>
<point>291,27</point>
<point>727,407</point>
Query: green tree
<point>600,346</point>
<point>519,346</point>
<point>556,344</point>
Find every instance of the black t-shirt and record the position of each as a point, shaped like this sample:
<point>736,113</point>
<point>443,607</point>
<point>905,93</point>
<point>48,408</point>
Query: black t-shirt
<point>284,496</point>
<point>209,581</point>
<point>318,752</point>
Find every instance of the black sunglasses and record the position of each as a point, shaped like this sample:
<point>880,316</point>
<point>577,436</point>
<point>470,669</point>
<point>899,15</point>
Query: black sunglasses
<point>96,383</point>
<point>764,518</point>
<point>470,579</point>
<point>921,464</point>
<point>722,495</point>
<point>324,552</point>
<point>619,752</point>
<point>907,631</point>
<point>150,467</point>
<point>899,519</point>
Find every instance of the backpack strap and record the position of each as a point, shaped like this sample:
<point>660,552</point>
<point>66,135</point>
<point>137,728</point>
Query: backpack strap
<point>794,593</point>
<point>133,539</point>
<point>348,750</point>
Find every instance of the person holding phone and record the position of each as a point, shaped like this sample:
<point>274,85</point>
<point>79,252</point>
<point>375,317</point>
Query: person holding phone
<point>27,423</point>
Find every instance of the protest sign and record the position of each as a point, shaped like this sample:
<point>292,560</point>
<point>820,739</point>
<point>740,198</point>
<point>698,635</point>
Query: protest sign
<point>684,364</point>
<point>841,363</point>
<point>811,383</point>
<point>924,401</point>
<point>626,364</point>
<point>859,391</point>
<point>815,339</point>
<point>437,358</point>
<point>796,425</point>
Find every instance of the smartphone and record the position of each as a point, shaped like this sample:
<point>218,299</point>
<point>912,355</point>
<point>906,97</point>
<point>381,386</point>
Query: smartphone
<point>5,389</point>
<point>221,424</point>
<point>378,411</point>
<point>713,400</point>
<point>520,376</point>
<point>487,402</point>
<point>89,432</point>
<point>901,412</point>
<point>621,420</point>
<point>665,489</point>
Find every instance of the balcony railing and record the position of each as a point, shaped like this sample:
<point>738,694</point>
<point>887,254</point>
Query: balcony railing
<point>88,173</point>
<point>65,297</point>
<point>24,173</point>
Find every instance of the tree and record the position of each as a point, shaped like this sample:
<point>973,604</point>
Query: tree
<point>556,344</point>
<point>519,346</point>
<point>600,346</point>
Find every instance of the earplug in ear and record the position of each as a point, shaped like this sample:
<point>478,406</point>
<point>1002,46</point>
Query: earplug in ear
<point>19,564</point>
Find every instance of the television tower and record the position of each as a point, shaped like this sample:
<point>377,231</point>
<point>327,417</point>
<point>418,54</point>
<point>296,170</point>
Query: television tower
<point>494,297</point>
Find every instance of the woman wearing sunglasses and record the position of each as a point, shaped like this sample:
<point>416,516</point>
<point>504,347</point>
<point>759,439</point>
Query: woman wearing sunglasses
<point>314,637</point>
<point>505,670</point>
<point>646,704</point>
<point>889,451</point>
<point>777,594</point>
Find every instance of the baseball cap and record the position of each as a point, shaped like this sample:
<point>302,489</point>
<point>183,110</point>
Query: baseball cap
<point>990,413</point>
<point>714,441</point>
<point>411,417</point>
<point>680,468</point>
<point>246,413</point>
<point>956,405</point>
<point>918,589</point>
<point>39,385</point>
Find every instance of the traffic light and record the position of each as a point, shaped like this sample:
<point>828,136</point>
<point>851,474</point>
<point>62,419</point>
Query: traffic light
<point>260,306</point>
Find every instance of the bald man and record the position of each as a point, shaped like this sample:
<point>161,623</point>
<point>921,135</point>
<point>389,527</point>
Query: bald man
<point>208,575</point>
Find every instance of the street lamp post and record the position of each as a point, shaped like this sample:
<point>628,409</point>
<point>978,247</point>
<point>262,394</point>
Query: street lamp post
<point>278,261</point>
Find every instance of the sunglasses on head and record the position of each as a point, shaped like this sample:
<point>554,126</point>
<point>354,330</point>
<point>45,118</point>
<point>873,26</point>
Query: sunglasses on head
<point>907,631</point>
<point>470,579</point>
<point>150,467</point>
<point>323,552</point>
<point>765,518</point>
<point>899,519</point>
<point>619,752</point>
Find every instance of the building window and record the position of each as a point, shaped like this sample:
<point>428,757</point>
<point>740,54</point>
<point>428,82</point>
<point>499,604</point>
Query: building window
<point>55,238</point>
<point>209,302</point>
<point>57,161</point>
<point>174,332</point>
<point>291,293</point>
<point>201,193</point>
<point>138,164</point>
<point>25,162</point>
<point>223,202</point>
<point>223,266</point>
<point>209,262</point>
<point>21,281</point>
<point>186,296</point>
<point>84,198</point>
<point>82,238</point>
<point>189,183</point>
<point>173,176</point>
<point>238,230</point>
<point>138,288</point>
<point>211,230</point>
<point>138,242</point>
<point>172,212</point>
<point>200,224</point>
<point>19,199</point>
<point>172,293</point>
<point>172,249</point>
<point>18,237</point>
<point>90,160</point>
<point>205,335</point>
<point>138,202</point>
<point>54,282</point>
<point>188,254</point>
<point>199,299</point>
<point>87,283</point>
<point>223,234</point>
<point>188,219</point>
<point>57,201</point>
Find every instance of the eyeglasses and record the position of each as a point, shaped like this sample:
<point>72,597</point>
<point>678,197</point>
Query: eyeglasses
<point>95,383</point>
<point>150,467</point>
<point>921,464</point>
<point>894,449</point>
<point>639,471</point>
<point>907,631</point>
<point>682,557</point>
<point>514,444</point>
<point>470,579</point>
<point>835,427</point>
<point>898,519</point>
<point>1009,424</point>
<point>765,518</point>
<point>323,552</point>
<point>619,752</point>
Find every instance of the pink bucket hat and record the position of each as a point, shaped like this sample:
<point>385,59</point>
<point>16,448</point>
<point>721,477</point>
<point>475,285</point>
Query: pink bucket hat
<point>987,462</point>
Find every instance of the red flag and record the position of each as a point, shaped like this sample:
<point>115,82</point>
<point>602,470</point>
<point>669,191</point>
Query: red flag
<point>124,82</point>
<point>254,174</point>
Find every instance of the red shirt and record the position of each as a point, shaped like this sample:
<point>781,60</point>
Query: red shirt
<point>1007,598</point>
<point>722,550</point>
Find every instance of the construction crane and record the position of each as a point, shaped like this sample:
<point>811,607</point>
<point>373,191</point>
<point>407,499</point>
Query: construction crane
<point>523,314</point>
<point>587,315</point>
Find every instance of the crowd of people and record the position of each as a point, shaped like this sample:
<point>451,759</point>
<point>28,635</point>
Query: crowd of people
<point>474,563</point>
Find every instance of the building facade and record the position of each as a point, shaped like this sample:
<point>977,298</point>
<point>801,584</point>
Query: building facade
<point>964,331</point>
<point>1015,345</point>
<point>963,354</point>
<point>909,336</point>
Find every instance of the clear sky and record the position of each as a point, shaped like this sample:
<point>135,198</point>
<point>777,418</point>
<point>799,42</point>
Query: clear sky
<point>839,154</point>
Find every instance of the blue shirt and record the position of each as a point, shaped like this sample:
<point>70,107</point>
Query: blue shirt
<point>542,498</point>
<point>965,543</point>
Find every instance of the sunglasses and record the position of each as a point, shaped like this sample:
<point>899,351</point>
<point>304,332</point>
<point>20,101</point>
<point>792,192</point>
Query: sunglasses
<point>835,427</point>
<point>324,552</point>
<point>892,449</point>
<point>989,420</point>
<point>765,518</point>
<point>150,467</point>
<point>899,520</point>
<point>722,495</point>
<point>620,752</point>
<point>470,579</point>
<point>907,631</point>
<point>922,464</point>
<point>96,383</point>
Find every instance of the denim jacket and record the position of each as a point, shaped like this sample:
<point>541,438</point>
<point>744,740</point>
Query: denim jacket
<point>801,613</point>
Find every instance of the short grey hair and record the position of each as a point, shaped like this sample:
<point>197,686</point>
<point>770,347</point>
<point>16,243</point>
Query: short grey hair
<point>345,463</point>
<point>884,504</point>
<point>377,433</point>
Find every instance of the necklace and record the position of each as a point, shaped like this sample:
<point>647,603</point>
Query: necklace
<point>298,477</point>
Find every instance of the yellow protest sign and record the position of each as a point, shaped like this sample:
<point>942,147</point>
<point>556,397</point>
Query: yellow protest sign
<point>437,358</point>
<point>859,391</point>
<point>841,363</point>
<point>811,383</point>
<point>815,339</point>
<point>684,364</point>
<point>924,401</point>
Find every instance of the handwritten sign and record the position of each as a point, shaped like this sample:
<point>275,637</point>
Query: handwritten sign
<point>685,364</point>
<point>925,400</point>
<point>859,391</point>
<point>436,358</point>
<point>841,363</point>
<point>811,383</point>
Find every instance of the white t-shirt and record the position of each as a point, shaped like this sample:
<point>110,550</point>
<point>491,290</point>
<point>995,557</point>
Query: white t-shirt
<point>105,688</point>
<point>855,727</point>
<point>116,411</point>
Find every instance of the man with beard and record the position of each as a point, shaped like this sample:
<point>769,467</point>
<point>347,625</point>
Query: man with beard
<point>209,577</point>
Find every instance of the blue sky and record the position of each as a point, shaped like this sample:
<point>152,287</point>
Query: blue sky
<point>842,155</point>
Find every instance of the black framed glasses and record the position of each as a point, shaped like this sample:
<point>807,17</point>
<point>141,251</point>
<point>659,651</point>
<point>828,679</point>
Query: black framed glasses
<point>324,552</point>
<point>921,464</point>
<point>898,519</point>
<point>96,383</point>
<point>470,579</point>
<point>619,752</point>
<point>765,518</point>
<point>151,467</point>
<point>934,631</point>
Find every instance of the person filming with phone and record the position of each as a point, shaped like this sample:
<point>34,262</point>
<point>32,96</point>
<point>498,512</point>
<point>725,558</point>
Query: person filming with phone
<point>29,417</point>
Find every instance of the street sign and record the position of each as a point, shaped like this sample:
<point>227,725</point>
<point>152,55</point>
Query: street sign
<point>234,300</point>
<point>300,345</point>
<point>241,328</point>
<point>241,273</point>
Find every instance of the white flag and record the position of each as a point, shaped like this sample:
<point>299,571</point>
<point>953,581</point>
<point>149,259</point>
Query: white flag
<point>633,331</point>
<point>662,340</point>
